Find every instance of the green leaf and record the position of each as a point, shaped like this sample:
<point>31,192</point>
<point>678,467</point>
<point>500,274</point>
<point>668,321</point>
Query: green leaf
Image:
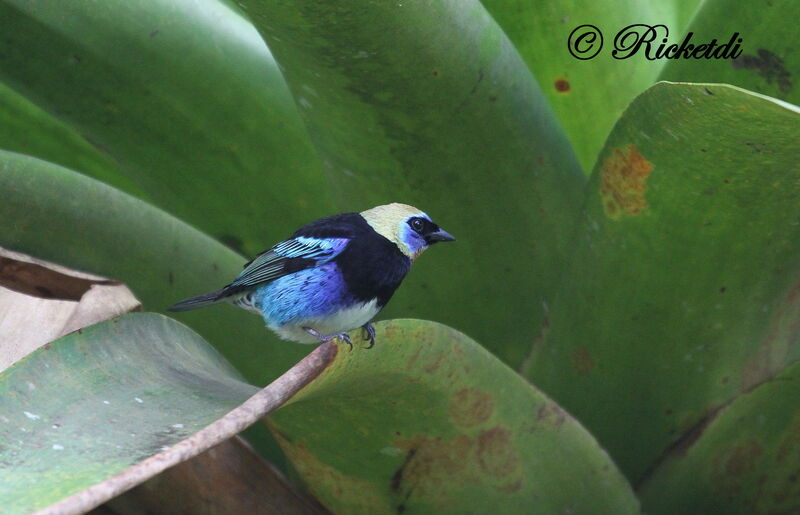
<point>769,60</point>
<point>56,214</point>
<point>744,460</point>
<point>429,104</point>
<point>588,95</point>
<point>94,403</point>
<point>427,421</point>
<point>27,129</point>
<point>682,287</point>
<point>185,97</point>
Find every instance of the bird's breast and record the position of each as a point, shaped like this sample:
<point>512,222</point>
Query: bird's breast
<point>373,267</point>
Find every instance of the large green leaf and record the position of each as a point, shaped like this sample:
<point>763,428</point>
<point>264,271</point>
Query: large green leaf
<point>744,461</point>
<point>682,291</point>
<point>769,60</point>
<point>56,214</point>
<point>27,129</point>
<point>185,97</point>
<point>92,404</point>
<point>428,103</point>
<point>588,95</point>
<point>429,421</point>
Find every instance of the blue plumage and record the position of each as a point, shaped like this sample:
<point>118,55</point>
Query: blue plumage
<point>332,275</point>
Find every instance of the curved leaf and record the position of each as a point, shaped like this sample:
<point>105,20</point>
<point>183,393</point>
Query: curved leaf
<point>588,95</point>
<point>744,460</point>
<point>428,103</point>
<point>103,409</point>
<point>427,420</point>
<point>59,215</point>
<point>186,98</point>
<point>27,129</point>
<point>683,287</point>
<point>132,386</point>
<point>769,60</point>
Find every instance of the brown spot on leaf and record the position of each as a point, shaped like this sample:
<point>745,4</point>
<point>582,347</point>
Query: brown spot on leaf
<point>397,478</point>
<point>496,452</point>
<point>773,352</point>
<point>758,148</point>
<point>413,358</point>
<point>435,364</point>
<point>551,413</point>
<point>436,466</point>
<point>562,85</point>
<point>582,360</point>
<point>733,465</point>
<point>470,407</point>
<point>623,182</point>
<point>510,488</point>
<point>768,65</point>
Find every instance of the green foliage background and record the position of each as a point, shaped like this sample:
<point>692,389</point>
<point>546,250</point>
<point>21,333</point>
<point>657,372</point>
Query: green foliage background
<point>630,248</point>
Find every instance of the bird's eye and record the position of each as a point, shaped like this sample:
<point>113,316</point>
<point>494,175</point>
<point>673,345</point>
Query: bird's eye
<point>417,224</point>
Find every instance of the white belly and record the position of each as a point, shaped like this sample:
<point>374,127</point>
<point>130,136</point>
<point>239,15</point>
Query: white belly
<point>342,321</point>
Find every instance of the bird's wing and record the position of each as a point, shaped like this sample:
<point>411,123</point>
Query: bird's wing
<point>289,256</point>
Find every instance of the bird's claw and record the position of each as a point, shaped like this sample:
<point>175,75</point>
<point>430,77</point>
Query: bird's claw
<point>345,338</point>
<point>370,331</point>
<point>328,337</point>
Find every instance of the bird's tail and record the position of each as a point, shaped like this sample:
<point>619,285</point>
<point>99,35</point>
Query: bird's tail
<point>198,302</point>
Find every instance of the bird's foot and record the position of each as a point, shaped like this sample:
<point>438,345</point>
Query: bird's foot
<point>327,337</point>
<point>370,332</point>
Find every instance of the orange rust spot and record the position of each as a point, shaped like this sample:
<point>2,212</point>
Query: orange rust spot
<point>470,407</point>
<point>582,361</point>
<point>496,452</point>
<point>562,85</point>
<point>623,182</point>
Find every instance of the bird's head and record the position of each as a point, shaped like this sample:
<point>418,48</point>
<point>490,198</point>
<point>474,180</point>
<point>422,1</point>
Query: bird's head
<point>409,228</point>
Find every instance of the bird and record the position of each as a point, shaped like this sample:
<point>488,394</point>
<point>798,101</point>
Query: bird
<point>332,275</point>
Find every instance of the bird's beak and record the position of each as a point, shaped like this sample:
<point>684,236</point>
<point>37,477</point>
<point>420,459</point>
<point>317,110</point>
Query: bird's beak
<point>440,235</point>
